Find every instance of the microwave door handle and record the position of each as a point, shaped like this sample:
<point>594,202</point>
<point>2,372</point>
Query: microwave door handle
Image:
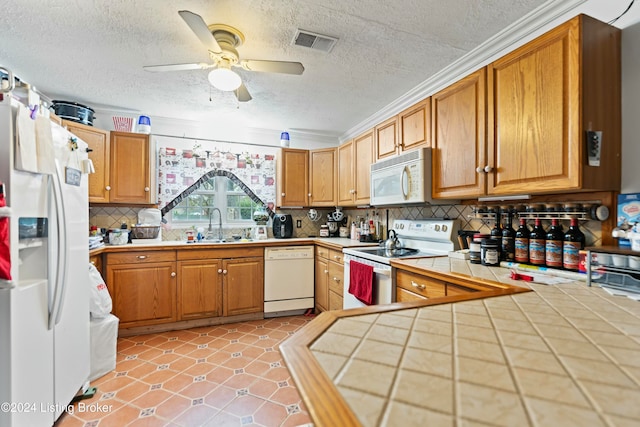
<point>404,174</point>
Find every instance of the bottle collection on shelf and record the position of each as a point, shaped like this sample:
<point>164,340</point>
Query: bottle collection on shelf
<point>554,248</point>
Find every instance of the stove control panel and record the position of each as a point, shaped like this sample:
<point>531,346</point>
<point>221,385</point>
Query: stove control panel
<point>426,229</point>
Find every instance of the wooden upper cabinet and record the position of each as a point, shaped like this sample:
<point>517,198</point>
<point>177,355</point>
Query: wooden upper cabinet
<point>293,177</point>
<point>130,168</point>
<point>354,164</point>
<point>543,98</point>
<point>415,126</point>
<point>322,177</point>
<point>346,165</point>
<point>98,142</point>
<point>458,120</point>
<point>386,138</point>
<point>363,158</point>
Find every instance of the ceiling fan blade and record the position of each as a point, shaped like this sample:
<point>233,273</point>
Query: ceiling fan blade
<point>177,67</point>
<point>283,67</point>
<point>242,93</point>
<point>200,28</point>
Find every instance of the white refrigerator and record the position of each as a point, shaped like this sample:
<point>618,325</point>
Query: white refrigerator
<point>44,308</point>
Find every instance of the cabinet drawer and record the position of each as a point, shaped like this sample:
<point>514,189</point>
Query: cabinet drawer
<point>322,252</point>
<point>420,285</point>
<point>336,276</point>
<point>402,295</point>
<point>138,257</point>
<point>458,290</point>
<point>336,256</point>
<point>335,301</point>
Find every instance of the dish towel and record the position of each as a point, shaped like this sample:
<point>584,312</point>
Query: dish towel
<point>361,281</point>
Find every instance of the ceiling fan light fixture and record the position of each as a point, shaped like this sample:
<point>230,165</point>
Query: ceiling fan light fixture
<point>224,79</point>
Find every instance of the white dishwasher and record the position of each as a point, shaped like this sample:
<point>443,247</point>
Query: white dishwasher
<point>288,280</point>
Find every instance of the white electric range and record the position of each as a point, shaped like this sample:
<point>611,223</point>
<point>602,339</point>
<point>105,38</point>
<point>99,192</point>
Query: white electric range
<point>422,238</point>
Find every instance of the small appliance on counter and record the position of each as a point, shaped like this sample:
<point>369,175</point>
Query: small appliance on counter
<point>336,220</point>
<point>282,226</point>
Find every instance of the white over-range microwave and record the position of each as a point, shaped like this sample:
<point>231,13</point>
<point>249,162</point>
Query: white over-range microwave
<point>403,179</point>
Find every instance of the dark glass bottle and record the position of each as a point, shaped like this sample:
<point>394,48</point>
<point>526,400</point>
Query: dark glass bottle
<point>553,245</point>
<point>508,241</point>
<point>537,239</point>
<point>496,232</point>
<point>522,242</point>
<point>573,243</point>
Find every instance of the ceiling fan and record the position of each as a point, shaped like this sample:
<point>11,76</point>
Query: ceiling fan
<point>221,41</point>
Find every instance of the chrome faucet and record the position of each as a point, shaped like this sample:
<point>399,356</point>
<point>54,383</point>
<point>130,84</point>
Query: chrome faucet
<point>210,229</point>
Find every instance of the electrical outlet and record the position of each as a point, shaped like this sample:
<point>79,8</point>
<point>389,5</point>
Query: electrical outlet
<point>298,223</point>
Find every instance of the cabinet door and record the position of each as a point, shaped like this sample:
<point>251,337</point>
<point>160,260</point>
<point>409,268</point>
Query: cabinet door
<point>363,158</point>
<point>322,173</point>
<point>322,284</point>
<point>293,177</point>
<point>130,169</point>
<point>386,137</point>
<point>534,96</point>
<point>96,260</point>
<point>243,286</point>
<point>346,160</point>
<point>143,294</point>
<point>98,142</point>
<point>199,289</point>
<point>415,126</point>
<point>458,120</point>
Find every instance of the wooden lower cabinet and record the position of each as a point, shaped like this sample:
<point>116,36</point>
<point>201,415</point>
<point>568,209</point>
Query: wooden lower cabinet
<point>243,286</point>
<point>411,287</point>
<point>199,289</point>
<point>143,293</point>
<point>151,288</point>
<point>321,289</point>
<point>329,274</point>
<point>96,260</point>
<point>336,276</point>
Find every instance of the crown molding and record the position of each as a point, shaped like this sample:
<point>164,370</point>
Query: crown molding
<point>508,39</point>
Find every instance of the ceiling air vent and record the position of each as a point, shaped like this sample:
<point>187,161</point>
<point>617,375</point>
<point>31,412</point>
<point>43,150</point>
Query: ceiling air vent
<point>314,41</point>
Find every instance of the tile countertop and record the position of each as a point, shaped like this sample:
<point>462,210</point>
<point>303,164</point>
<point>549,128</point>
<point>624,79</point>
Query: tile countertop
<point>332,242</point>
<point>560,355</point>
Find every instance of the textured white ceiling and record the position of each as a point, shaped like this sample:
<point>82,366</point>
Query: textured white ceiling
<point>93,52</point>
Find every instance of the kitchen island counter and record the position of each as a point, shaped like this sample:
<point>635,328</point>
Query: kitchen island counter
<point>530,354</point>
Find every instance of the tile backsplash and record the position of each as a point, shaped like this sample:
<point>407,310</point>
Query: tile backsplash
<point>113,217</point>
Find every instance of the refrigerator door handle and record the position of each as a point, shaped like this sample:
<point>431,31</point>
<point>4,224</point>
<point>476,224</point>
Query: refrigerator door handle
<point>61,273</point>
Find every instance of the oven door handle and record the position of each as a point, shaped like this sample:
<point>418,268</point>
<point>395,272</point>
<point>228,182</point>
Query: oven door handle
<point>381,271</point>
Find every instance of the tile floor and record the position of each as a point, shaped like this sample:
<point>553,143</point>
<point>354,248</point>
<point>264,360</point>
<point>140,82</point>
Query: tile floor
<point>224,375</point>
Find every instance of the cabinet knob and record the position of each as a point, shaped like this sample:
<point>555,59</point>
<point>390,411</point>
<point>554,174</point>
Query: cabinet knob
<point>352,191</point>
<point>282,194</point>
<point>337,257</point>
<point>309,195</point>
<point>224,271</point>
<point>173,274</point>
<point>488,169</point>
<point>108,188</point>
<point>219,270</point>
<point>141,257</point>
<point>336,279</point>
<point>146,189</point>
<point>416,285</point>
<point>326,271</point>
<point>92,263</point>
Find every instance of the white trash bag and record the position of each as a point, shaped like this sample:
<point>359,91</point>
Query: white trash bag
<point>100,303</point>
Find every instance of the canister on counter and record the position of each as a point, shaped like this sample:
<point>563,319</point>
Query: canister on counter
<point>474,252</point>
<point>489,253</point>
<point>324,230</point>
